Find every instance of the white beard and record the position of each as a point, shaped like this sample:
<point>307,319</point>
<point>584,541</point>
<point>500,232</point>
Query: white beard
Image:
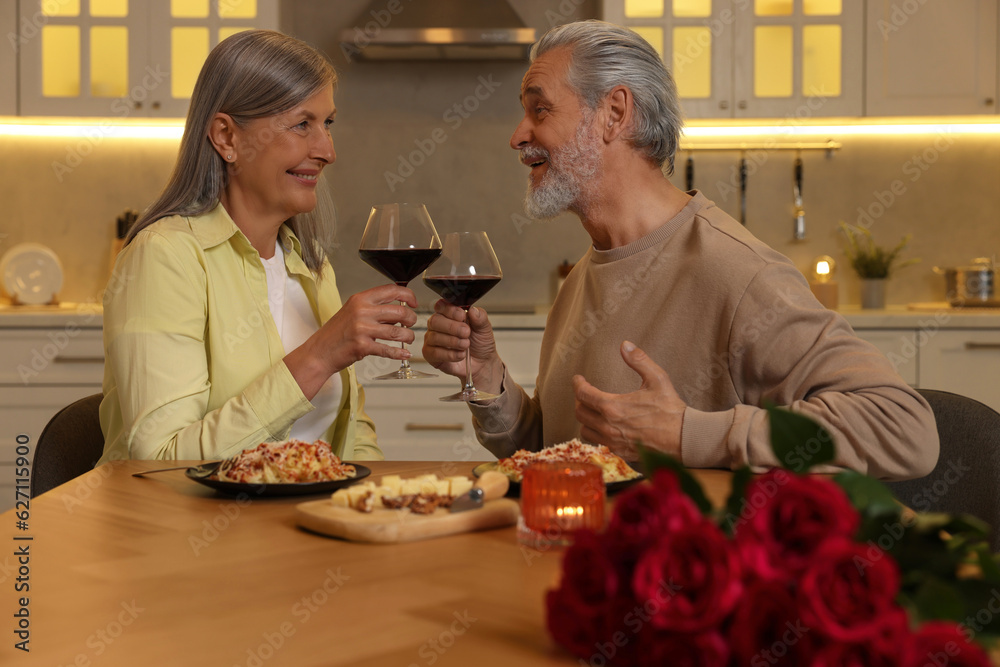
<point>570,169</point>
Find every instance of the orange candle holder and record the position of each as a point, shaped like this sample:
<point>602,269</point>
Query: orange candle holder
<point>558,499</point>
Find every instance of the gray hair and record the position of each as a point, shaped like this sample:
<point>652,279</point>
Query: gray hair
<point>605,55</point>
<point>252,74</point>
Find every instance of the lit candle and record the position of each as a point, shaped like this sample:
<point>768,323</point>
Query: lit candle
<point>557,499</point>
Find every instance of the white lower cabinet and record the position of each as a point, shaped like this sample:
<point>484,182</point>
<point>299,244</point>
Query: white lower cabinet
<point>962,361</point>
<point>42,370</point>
<point>965,362</point>
<point>414,425</point>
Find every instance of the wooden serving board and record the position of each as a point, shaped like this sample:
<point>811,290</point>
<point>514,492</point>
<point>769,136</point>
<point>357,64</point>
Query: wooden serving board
<point>391,526</point>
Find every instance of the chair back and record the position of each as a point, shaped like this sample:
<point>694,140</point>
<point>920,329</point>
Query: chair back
<point>966,479</point>
<point>70,445</point>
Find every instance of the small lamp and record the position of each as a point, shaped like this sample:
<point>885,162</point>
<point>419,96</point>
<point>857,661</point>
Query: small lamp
<point>822,284</point>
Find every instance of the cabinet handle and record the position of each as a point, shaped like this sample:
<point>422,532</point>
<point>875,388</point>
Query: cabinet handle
<point>79,360</point>
<point>742,104</point>
<point>988,101</point>
<point>411,426</point>
<point>982,346</point>
<point>724,104</point>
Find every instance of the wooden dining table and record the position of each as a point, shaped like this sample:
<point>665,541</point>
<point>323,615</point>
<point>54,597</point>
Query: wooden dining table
<point>160,570</point>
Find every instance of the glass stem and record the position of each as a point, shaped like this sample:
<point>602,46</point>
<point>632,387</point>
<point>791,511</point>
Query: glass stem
<point>406,362</point>
<point>468,388</point>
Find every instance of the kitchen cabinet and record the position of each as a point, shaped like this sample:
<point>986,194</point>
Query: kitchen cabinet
<point>937,352</point>
<point>932,57</point>
<point>965,362</point>
<point>8,63</point>
<point>42,370</point>
<point>124,58</point>
<point>759,58</point>
<point>413,425</point>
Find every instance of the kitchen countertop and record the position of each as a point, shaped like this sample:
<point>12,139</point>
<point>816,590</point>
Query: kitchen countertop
<point>921,315</point>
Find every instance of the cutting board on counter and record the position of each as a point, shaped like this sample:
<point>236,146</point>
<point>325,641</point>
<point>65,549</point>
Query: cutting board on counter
<point>392,526</point>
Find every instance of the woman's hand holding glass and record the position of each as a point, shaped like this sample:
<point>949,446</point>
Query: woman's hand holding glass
<point>359,329</point>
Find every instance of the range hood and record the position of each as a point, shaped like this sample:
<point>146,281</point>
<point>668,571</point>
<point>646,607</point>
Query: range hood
<point>437,30</point>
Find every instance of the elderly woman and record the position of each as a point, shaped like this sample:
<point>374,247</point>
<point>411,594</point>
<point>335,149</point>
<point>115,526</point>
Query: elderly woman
<point>223,326</point>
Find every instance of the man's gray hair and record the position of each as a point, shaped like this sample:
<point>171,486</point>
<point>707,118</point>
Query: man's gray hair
<point>605,55</point>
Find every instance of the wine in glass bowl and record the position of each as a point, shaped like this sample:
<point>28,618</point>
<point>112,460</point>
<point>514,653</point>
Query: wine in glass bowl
<point>400,265</point>
<point>399,242</point>
<point>467,269</point>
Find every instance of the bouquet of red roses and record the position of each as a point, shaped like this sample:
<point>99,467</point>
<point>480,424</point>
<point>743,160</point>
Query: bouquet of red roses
<point>795,570</point>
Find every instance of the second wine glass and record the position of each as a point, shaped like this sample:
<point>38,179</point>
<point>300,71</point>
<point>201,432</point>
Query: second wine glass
<point>467,269</point>
<point>400,241</point>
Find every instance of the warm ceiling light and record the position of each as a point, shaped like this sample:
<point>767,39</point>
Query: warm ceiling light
<point>791,128</point>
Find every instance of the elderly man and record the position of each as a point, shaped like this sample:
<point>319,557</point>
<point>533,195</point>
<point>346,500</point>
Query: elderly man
<point>677,324</point>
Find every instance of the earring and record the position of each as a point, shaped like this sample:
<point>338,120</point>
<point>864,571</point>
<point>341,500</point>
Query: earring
<point>229,158</point>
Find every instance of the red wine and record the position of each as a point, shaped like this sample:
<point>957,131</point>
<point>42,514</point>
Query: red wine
<point>400,265</point>
<point>461,291</point>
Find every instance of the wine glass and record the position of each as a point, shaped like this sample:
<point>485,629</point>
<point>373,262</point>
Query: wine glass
<point>399,242</point>
<point>467,269</point>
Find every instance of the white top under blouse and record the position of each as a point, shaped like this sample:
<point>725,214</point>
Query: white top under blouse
<point>295,320</point>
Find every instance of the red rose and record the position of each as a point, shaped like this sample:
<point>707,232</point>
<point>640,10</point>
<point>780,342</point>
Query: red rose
<point>707,649</point>
<point>784,520</point>
<point>943,643</point>
<point>882,650</point>
<point>767,629</point>
<point>689,580</point>
<point>577,630</point>
<point>589,577</point>
<point>606,636</point>
<point>646,512</point>
<point>577,613</point>
<point>843,594</point>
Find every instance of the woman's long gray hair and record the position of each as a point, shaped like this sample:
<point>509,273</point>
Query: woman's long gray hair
<point>252,74</point>
<point>605,55</point>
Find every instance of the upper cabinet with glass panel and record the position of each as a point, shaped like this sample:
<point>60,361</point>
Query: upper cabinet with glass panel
<point>755,58</point>
<point>125,58</point>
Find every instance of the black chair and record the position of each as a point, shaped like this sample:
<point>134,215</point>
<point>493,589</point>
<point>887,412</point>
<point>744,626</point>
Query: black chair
<point>70,445</point>
<point>966,479</point>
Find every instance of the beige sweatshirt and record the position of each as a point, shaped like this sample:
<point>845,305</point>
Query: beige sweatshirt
<point>733,323</point>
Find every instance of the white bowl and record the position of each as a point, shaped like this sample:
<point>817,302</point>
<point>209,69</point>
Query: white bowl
<point>31,273</point>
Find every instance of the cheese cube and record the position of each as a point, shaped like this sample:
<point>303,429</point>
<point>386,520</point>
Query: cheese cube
<point>441,487</point>
<point>459,485</point>
<point>357,492</point>
<point>392,482</point>
<point>340,498</point>
<point>409,487</point>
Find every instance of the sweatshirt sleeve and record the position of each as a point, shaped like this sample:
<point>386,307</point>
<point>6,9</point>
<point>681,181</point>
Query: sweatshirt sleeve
<point>510,422</point>
<point>785,348</point>
<point>155,329</point>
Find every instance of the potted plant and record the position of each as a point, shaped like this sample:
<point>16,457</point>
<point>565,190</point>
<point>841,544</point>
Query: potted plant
<point>873,263</point>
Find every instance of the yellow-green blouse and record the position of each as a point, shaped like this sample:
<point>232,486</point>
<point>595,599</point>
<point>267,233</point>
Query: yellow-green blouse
<point>193,361</point>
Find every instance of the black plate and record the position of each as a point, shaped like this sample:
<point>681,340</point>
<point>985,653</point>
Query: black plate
<point>201,474</point>
<point>515,487</point>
